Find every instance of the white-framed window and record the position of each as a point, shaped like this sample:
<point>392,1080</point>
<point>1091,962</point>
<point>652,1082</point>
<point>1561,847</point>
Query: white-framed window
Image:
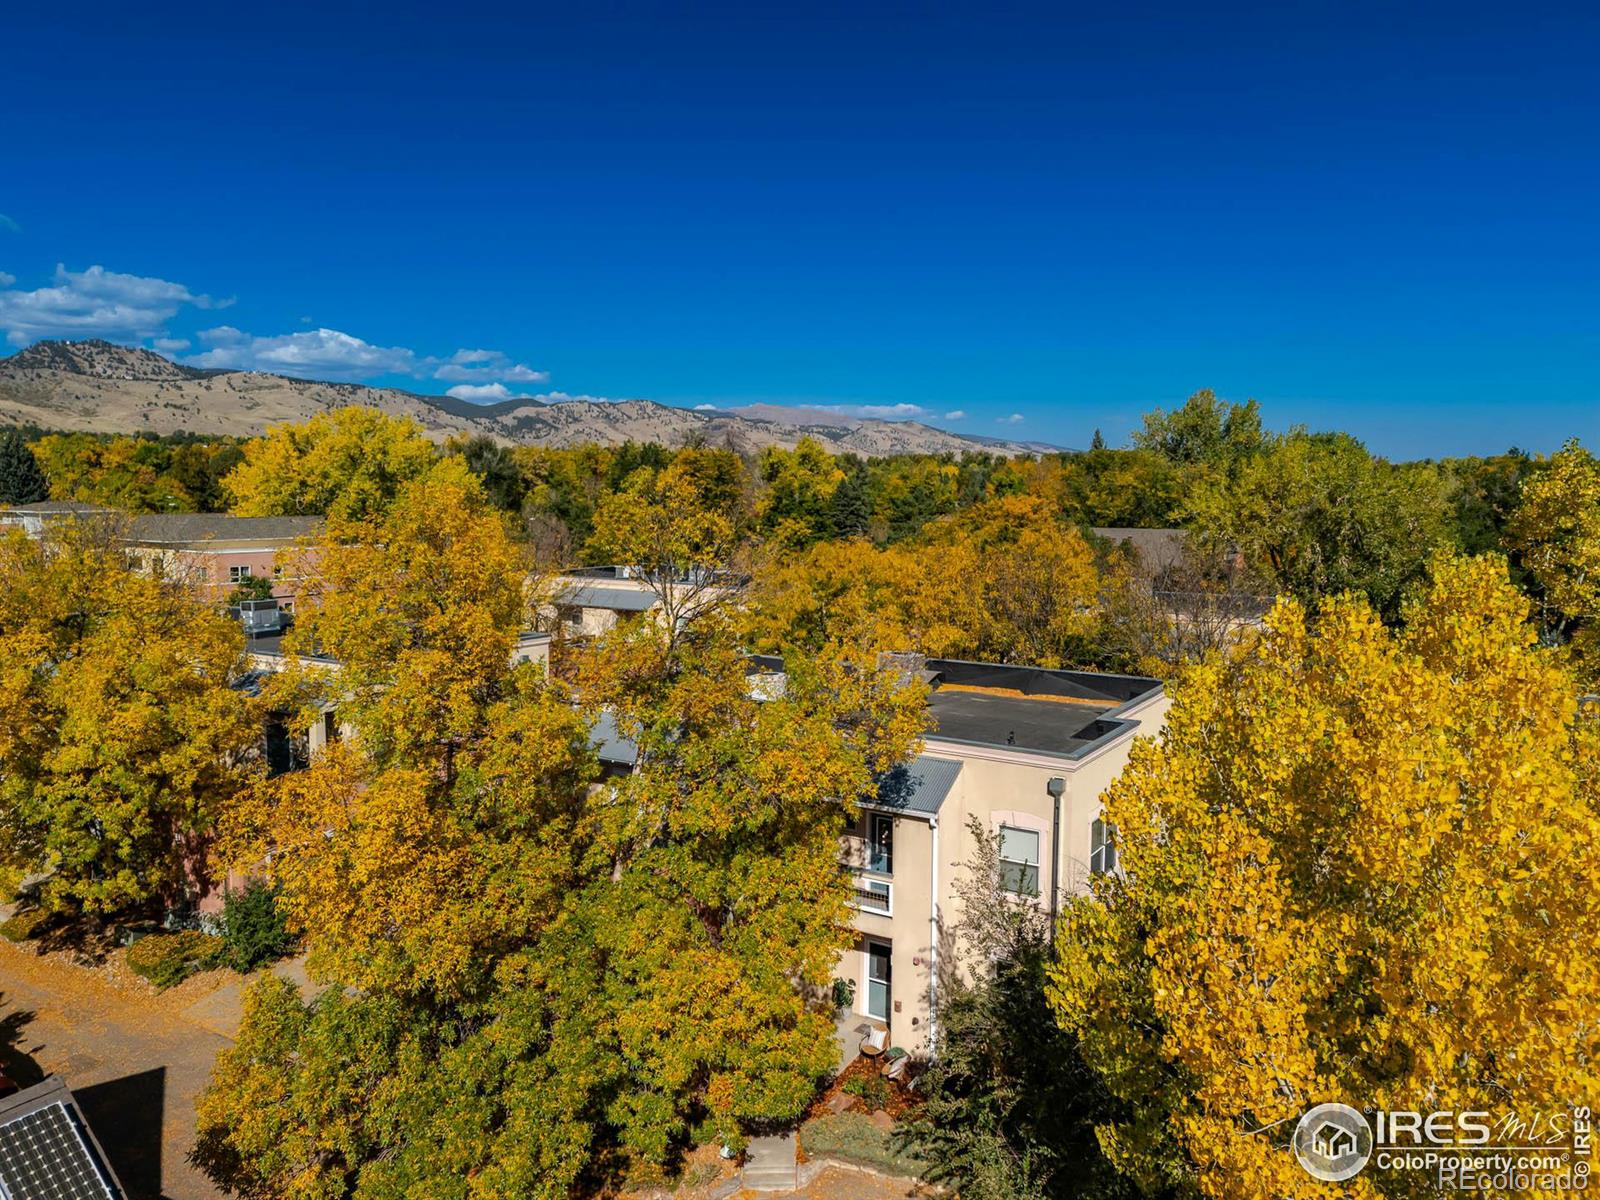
<point>880,843</point>
<point>1019,860</point>
<point>872,895</point>
<point>238,574</point>
<point>1102,848</point>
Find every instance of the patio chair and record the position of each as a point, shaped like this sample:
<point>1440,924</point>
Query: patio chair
<point>875,1043</point>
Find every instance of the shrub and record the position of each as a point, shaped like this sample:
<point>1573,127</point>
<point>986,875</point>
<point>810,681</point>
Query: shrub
<point>169,958</point>
<point>854,1138</point>
<point>873,1090</point>
<point>28,923</point>
<point>253,932</point>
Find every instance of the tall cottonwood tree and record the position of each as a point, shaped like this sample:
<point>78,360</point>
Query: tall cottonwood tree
<point>1359,867</point>
<point>121,735</point>
<point>346,464</point>
<point>543,976</point>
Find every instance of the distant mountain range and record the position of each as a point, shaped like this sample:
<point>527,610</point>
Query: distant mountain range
<point>98,387</point>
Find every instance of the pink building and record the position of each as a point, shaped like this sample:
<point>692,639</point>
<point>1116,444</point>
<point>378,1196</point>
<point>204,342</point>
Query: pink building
<point>218,551</point>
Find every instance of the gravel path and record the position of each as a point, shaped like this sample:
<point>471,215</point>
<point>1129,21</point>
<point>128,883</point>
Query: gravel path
<point>134,1062</point>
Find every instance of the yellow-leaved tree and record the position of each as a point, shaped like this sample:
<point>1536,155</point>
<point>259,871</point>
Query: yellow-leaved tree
<point>347,463</point>
<point>1359,867</point>
<point>121,734</point>
<point>545,978</point>
<point>1556,528</point>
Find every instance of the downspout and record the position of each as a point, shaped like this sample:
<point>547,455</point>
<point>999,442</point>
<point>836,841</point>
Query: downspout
<point>933,938</point>
<point>1055,787</point>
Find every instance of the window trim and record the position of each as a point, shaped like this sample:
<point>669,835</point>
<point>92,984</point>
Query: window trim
<point>873,842</point>
<point>860,884</point>
<point>1004,862</point>
<point>1103,847</point>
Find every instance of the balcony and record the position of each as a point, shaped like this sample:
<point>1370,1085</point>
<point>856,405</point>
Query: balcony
<point>872,895</point>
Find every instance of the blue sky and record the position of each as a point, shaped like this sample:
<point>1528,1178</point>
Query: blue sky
<point>1381,218</point>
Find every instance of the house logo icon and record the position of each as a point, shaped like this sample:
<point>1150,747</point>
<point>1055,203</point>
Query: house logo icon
<point>1332,1142</point>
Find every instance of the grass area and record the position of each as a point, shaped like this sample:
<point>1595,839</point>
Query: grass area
<point>852,1137</point>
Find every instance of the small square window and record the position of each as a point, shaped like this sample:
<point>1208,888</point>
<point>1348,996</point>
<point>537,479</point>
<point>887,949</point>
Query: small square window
<point>238,574</point>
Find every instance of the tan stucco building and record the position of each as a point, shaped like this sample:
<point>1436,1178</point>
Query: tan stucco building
<point>1025,751</point>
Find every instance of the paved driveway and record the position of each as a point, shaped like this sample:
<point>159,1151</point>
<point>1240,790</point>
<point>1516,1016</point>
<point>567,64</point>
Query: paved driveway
<point>134,1062</point>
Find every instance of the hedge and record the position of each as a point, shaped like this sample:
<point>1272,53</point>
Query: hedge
<point>169,958</point>
<point>852,1137</point>
<point>28,923</point>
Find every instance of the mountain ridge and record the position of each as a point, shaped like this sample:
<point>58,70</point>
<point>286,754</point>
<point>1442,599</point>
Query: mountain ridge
<point>96,386</point>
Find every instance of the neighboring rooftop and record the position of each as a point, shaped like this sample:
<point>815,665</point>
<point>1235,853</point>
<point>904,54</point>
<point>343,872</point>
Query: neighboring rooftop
<point>621,599</point>
<point>197,529</point>
<point>55,508</point>
<point>47,1151</point>
<point>1158,549</point>
<point>1029,708</point>
<point>919,786</point>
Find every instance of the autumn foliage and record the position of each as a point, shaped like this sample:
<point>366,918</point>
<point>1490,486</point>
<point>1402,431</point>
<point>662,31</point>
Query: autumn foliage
<point>1359,867</point>
<point>122,738</point>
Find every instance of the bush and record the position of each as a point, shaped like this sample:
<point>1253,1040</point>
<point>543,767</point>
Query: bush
<point>854,1138</point>
<point>169,958</point>
<point>873,1090</point>
<point>29,923</point>
<point>253,933</point>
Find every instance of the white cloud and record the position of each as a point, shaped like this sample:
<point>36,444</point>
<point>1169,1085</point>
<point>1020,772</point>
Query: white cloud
<point>8,224</point>
<point>568,398</point>
<point>171,345</point>
<point>482,393</point>
<point>1013,419</point>
<point>705,408</point>
<point>956,415</point>
<point>316,354</point>
<point>478,366</point>
<point>6,280</point>
<point>879,412</point>
<point>96,303</point>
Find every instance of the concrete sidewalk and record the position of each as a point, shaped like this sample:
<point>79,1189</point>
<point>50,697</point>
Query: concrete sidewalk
<point>221,1011</point>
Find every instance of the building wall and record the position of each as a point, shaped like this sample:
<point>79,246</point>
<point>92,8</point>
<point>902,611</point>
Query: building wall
<point>909,931</point>
<point>209,567</point>
<point>997,785</point>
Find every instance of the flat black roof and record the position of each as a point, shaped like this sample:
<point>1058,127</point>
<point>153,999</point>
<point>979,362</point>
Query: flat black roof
<point>1030,708</point>
<point>1058,726</point>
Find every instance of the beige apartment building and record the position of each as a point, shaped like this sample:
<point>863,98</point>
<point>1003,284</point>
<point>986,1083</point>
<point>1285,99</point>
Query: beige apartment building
<point>1028,753</point>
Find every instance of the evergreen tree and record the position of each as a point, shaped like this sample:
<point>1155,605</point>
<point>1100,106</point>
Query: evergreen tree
<point>850,510</point>
<point>21,480</point>
<point>1098,442</point>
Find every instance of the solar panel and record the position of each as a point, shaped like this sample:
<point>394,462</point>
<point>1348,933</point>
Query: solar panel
<point>44,1156</point>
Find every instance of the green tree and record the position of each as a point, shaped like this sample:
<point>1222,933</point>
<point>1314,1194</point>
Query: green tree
<point>1318,515</point>
<point>850,510</point>
<point>496,468</point>
<point>801,483</point>
<point>349,463</point>
<point>1009,1106</point>
<point>21,480</point>
<point>121,737</point>
<point>1206,431</point>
